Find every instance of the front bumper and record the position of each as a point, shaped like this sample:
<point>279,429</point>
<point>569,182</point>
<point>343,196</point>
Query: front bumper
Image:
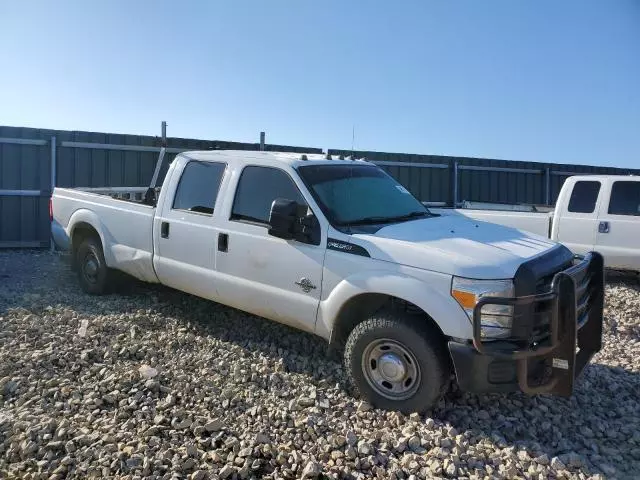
<point>574,306</point>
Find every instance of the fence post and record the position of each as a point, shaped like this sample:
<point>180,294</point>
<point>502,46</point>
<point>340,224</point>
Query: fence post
<point>54,167</point>
<point>455,184</point>
<point>547,190</point>
<point>262,141</point>
<point>53,163</point>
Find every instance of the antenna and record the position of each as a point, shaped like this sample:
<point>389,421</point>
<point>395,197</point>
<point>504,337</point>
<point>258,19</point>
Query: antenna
<point>353,137</point>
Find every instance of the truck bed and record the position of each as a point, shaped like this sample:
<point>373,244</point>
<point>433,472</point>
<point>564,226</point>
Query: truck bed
<point>125,227</point>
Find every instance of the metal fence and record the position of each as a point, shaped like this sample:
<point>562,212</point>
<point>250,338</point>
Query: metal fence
<point>33,161</point>
<point>452,180</point>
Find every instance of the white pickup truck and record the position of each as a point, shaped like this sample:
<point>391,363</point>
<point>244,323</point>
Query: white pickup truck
<point>340,249</point>
<point>592,212</point>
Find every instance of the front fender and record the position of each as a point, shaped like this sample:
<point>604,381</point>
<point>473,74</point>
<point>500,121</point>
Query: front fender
<point>428,296</point>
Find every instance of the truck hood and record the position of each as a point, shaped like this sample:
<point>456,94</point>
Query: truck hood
<point>455,245</point>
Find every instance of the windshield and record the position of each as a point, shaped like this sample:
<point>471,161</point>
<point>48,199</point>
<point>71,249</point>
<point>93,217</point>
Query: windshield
<point>360,194</point>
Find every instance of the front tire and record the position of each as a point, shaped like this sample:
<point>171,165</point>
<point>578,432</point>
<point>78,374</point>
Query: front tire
<point>92,270</point>
<point>397,362</point>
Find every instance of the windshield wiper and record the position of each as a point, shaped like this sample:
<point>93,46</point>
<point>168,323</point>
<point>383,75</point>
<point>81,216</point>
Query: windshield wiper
<point>376,220</point>
<point>411,215</point>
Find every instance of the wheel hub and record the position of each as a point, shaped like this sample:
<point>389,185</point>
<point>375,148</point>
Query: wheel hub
<point>392,367</point>
<point>90,268</point>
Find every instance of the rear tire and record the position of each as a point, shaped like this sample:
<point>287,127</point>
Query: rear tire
<point>397,362</point>
<point>92,270</point>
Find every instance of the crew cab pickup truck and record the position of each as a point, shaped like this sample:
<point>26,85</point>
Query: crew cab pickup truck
<point>338,248</point>
<point>592,213</point>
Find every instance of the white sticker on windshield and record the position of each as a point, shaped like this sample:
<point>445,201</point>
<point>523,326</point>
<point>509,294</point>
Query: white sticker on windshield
<point>402,189</point>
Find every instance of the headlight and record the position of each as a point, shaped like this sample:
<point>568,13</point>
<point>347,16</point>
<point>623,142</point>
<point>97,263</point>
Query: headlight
<point>496,319</point>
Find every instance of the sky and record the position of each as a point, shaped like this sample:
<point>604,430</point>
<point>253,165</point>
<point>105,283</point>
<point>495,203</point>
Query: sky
<point>540,80</point>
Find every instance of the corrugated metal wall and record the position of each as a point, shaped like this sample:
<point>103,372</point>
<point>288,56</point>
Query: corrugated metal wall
<point>86,159</point>
<point>478,179</point>
<point>26,177</point>
<point>96,167</point>
<point>25,188</point>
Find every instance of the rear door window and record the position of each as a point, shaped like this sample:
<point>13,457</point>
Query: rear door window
<point>625,198</point>
<point>198,187</point>
<point>584,196</point>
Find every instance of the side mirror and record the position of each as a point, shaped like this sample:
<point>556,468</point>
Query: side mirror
<point>289,220</point>
<point>283,218</point>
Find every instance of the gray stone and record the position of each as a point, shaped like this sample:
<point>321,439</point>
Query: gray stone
<point>226,471</point>
<point>542,459</point>
<point>351,438</point>
<point>191,450</point>
<point>414,443</point>
<point>306,402</point>
<point>135,461</point>
<point>188,464</point>
<point>152,385</point>
<point>9,388</point>
<point>311,470</point>
<point>199,475</point>
<point>557,464</point>
<point>452,470</point>
<point>364,448</point>
<point>245,452</point>
<point>181,424</point>
<point>351,452</point>
<point>213,425</point>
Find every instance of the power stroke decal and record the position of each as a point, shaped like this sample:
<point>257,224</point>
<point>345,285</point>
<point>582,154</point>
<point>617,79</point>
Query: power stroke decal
<point>346,247</point>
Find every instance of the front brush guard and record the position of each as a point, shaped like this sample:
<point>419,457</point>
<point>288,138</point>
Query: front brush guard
<point>576,302</point>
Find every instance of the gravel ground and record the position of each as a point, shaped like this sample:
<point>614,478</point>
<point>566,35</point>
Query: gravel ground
<point>235,396</point>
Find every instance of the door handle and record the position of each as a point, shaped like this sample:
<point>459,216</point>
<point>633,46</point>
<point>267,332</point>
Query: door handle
<point>223,242</point>
<point>603,227</point>
<point>164,230</point>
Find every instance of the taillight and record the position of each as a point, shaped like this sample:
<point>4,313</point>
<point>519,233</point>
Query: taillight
<point>51,209</point>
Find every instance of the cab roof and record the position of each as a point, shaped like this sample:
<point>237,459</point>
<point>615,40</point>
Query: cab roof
<point>269,158</point>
